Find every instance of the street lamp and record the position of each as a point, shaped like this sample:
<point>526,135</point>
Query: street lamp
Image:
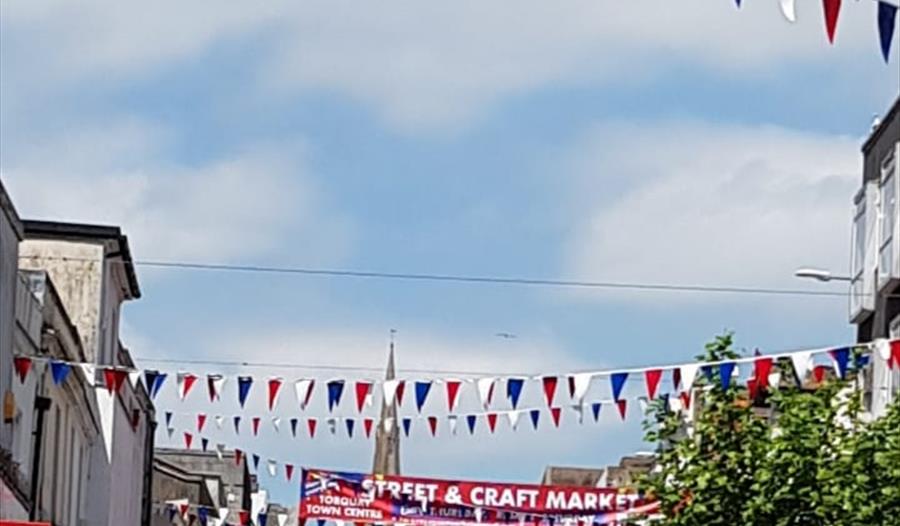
<point>819,275</point>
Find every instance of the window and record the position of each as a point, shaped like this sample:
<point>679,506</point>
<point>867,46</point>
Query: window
<point>859,239</point>
<point>888,211</point>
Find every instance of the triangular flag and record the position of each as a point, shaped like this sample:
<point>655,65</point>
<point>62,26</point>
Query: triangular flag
<point>274,388</point>
<point>255,462</point>
<point>204,443</point>
<point>432,424</point>
<point>707,372</point>
<point>335,391</point>
<point>186,382</point>
<point>622,405</point>
<point>294,422</point>
<point>168,416</point>
<point>422,389</point>
<point>514,390</point>
<point>349,422</point>
<point>685,397</point>
<point>549,384</point>
<point>579,410</point>
<point>244,517</point>
<point>59,370</point>
<point>172,511</point>
<point>188,440</point>
<point>262,519</point>
<point>304,390</point>
<point>406,423</point>
<point>556,414</point>
<point>579,384</point>
<point>276,423</point>
<point>802,362</point>
<point>513,418</point>
<point>788,10</point>
<point>22,365</point>
<point>832,9</point>
<point>595,409</point>
<point>332,425</point>
<point>485,391</point>
<point>762,367</point>
<point>887,20</point>
<point>254,422</point>
<point>688,375</point>
<point>470,421</point>
<point>201,421</point>
<point>725,371</point>
<point>401,388</point>
<point>134,377</point>
<point>895,354</point>
<point>388,424</point>
<point>841,359</point>
<point>282,519</point>
<point>819,373</point>
<point>363,395</point>
<point>203,515</point>
<point>452,394</point>
<point>114,379</point>
<point>451,422</point>
<point>238,456</point>
<point>389,391</point>
<point>271,467</point>
<point>775,379</point>
<point>652,378</point>
<point>154,381</point>
<point>90,373</point>
<point>220,450</point>
<point>311,427</point>
<point>752,388</point>
<point>170,431</point>
<point>288,473</point>
<point>237,425</point>
<point>492,421</point>
<point>367,426</point>
<point>535,415</point>
<point>617,381</point>
<point>214,384</point>
<point>223,514</point>
<point>244,385</point>
<point>676,377</point>
<point>183,509</point>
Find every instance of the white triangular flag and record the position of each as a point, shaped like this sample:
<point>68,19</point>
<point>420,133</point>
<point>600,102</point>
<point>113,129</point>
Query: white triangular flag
<point>332,425</point>
<point>220,451</point>
<point>802,363</point>
<point>452,421</point>
<point>884,349</point>
<point>389,390</point>
<point>688,375</point>
<point>775,380</point>
<point>580,382</point>
<point>485,391</point>
<point>338,523</point>
<point>218,382</point>
<point>388,424</point>
<point>219,420</point>
<point>675,404</point>
<point>272,467</point>
<point>276,423</point>
<point>135,378</point>
<point>513,418</point>
<point>788,10</point>
<point>223,514</point>
<point>303,388</point>
<point>579,410</point>
<point>642,401</point>
<point>478,514</point>
<point>90,371</point>
<point>170,431</point>
<point>282,519</point>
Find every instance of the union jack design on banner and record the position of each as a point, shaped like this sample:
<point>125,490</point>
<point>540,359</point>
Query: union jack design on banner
<point>318,482</point>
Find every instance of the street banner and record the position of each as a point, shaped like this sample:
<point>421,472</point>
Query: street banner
<point>365,498</point>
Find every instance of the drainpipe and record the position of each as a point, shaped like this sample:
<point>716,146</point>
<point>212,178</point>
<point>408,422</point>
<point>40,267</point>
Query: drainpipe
<point>41,405</point>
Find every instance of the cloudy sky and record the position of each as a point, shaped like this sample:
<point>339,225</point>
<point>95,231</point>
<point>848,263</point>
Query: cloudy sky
<point>683,142</point>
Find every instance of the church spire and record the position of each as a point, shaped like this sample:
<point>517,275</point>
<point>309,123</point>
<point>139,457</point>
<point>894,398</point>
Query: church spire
<point>387,435</point>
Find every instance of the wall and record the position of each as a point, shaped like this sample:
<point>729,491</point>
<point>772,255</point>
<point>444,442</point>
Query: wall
<point>9,253</point>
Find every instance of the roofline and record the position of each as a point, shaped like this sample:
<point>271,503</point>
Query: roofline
<point>9,210</point>
<point>39,229</point>
<point>892,113</point>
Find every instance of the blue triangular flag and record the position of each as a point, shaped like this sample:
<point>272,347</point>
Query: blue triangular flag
<point>349,423</point>
<point>172,511</point>
<point>422,389</point>
<point>204,442</point>
<point>707,372</point>
<point>406,423</point>
<point>861,361</point>
<point>59,370</point>
<point>237,425</point>
<point>154,381</point>
<point>841,358</point>
<point>887,18</point>
<point>203,515</point>
<point>595,408</point>
<point>618,382</point>
<point>665,401</point>
<point>535,415</point>
<point>255,461</point>
<point>262,518</point>
<point>738,2</point>
<point>294,427</point>
<point>168,419</point>
<point>335,391</point>
<point>470,421</point>
<point>244,383</point>
<point>514,390</point>
<point>322,522</point>
<point>725,371</point>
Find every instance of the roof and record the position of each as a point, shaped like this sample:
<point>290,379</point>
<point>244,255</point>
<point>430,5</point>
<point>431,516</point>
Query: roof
<point>101,234</point>
<point>893,113</point>
<point>9,211</point>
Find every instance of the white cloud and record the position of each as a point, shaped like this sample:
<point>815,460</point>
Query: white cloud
<point>429,65</point>
<point>235,206</point>
<point>713,204</point>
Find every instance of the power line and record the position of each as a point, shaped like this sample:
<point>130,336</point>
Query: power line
<point>453,278</point>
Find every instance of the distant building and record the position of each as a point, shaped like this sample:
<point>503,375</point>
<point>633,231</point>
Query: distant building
<point>875,259</point>
<point>387,435</point>
<point>624,474</point>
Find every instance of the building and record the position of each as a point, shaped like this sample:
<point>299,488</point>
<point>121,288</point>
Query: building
<point>875,259</point>
<point>386,459</point>
<point>622,475</point>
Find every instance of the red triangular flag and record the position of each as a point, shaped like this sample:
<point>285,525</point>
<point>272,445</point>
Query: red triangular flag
<point>895,355</point>
<point>401,388</point>
<point>556,413</point>
<point>311,427</point>
<point>289,471</point>
<point>685,399</point>
<point>832,10</point>
<point>201,421</point>
<point>114,379</point>
<point>367,426</point>
<point>762,367</point>
<point>432,424</point>
<point>183,509</point>
<point>22,365</point>
<point>274,387</point>
<point>622,405</point>
<point>244,516</point>
<point>752,388</point>
<point>819,373</point>
<point>238,456</point>
<point>550,388</point>
<point>452,393</point>
<point>192,519</point>
<point>652,378</point>
<point>363,389</point>
<point>187,382</point>
<point>255,423</point>
<point>188,440</point>
<point>492,421</point>
<point>676,378</point>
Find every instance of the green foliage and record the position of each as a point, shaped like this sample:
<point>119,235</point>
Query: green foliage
<point>807,460</point>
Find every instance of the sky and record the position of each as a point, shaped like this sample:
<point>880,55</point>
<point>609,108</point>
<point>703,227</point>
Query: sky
<point>684,142</point>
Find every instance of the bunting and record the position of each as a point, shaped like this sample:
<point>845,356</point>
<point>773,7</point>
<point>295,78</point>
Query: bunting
<point>274,388</point>
<point>549,384</point>
<point>617,381</point>
<point>154,381</point>
<point>485,391</point>
<point>514,390</point>
<point>304,389</point>
<point>185,384</point>
<point>535,415</point>
<point>214,384</point>
<point>22,366</point>
<point>114,378</point>
<point>59,370</point>
<point>335,390</point>
<point>471,420</point>
<point>422,389</point>
<point>452,394</point>
<point>363,395</point>
<point>652,378</point>
<point>244,385</point>
<point>887,19</point>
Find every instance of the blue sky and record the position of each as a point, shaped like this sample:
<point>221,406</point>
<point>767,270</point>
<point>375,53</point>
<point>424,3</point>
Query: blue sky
<point>685,142</point>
